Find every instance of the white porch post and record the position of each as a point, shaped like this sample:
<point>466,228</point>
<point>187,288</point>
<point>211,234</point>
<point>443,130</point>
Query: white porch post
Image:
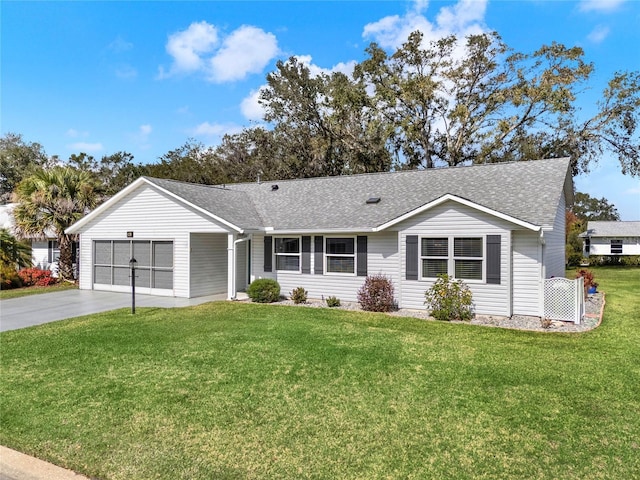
<point>231,267</point>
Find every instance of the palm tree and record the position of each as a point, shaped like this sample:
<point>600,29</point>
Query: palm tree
<point>49,201</point>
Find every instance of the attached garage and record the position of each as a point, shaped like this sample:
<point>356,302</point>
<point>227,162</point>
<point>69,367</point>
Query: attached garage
<point>154,272</point>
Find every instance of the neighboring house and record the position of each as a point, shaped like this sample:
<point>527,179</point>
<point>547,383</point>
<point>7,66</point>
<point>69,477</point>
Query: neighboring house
<point>43,252</point>
<point>611,238</point>
<point>499,227</point>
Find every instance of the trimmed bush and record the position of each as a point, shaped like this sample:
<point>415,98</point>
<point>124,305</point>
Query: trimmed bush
<point>333,302</point>
<point>264,290</point>
<point>9,277</point>
<point>299,295</point>
<point>36,276</point>
<point>449,299</point>
<point>589,280</point>
<point>376,294</point>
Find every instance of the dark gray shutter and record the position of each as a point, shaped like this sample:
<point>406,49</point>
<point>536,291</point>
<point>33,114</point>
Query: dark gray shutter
<point>318,260</point>
<point>493,259</point>
<point>306,254</point>
<point>268,253</point>
<point>412,257</point>
<point>362,256</point>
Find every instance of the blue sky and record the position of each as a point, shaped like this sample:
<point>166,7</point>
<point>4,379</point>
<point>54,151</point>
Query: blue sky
<point>143,77</point>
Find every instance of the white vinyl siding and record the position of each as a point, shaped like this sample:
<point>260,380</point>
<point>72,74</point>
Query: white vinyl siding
<point>527,273</point>
<point>602,245</point>
<point>208,264</point>
<point>451,219</point>
<point>554,244</point>
<point>150,215</point>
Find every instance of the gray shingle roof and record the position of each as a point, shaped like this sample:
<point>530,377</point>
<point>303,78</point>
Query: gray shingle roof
<point>612,229</point>
<point>528,191</point>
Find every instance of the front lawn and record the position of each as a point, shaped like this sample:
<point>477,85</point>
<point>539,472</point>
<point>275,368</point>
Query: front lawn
<point>228,390</point>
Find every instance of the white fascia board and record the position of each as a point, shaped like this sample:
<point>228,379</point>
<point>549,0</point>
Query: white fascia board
<point>76,227</point>
<point>462,201</point>
<point>316,231</point>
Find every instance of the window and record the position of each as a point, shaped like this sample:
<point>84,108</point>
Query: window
<point>287,250</point>
<point>616,247</point>
<point>587,245</point>
<point>340,255</point>
<point>459,257</point>
<point>435,256</point>
<point>467,257</point>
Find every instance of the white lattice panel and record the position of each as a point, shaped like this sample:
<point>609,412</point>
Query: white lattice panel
<point>564,299</point>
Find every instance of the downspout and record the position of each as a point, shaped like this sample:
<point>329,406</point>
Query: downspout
<point>234,293</point>
<point>542,272</point>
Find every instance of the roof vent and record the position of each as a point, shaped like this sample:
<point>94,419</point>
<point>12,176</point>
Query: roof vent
<point>274,188</point>
<point>373,200</point>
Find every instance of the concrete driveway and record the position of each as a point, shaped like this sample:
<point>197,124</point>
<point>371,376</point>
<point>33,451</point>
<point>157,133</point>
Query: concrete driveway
<point>48,307</point>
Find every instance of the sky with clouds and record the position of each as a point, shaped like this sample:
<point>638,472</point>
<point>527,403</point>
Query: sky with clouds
<point>143,77</point>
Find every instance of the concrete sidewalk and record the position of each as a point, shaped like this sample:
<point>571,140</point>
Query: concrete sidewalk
<point>48,307</point>
<point>18,466</point>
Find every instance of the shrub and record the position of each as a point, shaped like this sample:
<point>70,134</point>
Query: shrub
<point>9,277</point>
<point>298,295</point>
<point>630,260</point>
<point>449,299</point>
<point>376,294</point>
<point>36,276</point>
<point>588,279</point>
<point>333,301</point>
<point>264,290</point>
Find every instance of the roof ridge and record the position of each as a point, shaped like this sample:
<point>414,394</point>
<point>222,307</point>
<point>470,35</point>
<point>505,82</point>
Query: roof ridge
<point>394,172</point>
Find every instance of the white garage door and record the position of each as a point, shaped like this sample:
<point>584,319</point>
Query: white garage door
<point>154,271</point>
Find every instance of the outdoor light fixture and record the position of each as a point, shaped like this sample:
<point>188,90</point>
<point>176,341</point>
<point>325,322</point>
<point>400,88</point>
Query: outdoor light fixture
<point>133,263</point>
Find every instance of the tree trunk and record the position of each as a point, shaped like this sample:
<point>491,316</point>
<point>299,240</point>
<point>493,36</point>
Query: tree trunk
<point>65,263</point>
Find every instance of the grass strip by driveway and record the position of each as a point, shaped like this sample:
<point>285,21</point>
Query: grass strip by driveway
<point>26,291</point>
<point>229,390</point>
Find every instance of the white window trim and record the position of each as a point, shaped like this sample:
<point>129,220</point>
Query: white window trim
<point>451,258</point>
<point>353,255</point>
<point>276,254</point>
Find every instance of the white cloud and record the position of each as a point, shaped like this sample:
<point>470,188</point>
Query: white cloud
<point>120,45</point>
<point>598,34</point>
<point>207,129</point>
<point>464,18</point>
<point>73,133</point>
<point>145,130</point>
<point>633,191</point>
<point>600,5</point>
<point>187,47</point>
<point>246,50</point>
<point>86,147</point>
<point>250,106</point>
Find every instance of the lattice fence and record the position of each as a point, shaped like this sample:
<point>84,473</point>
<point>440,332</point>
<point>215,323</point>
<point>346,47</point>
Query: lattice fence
<point>564,299</point>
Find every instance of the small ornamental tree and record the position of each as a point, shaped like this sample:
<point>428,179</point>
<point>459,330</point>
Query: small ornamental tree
<point>376,294</point>
<point>449,299</point>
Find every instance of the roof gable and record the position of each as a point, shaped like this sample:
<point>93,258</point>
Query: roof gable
<point>612,229</point>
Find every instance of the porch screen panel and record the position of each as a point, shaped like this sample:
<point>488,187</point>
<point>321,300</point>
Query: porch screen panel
<point>121,253</point>
<point>102,252</point>
<point>143,277</point>
<point>121,276</point>
<point>162,279</point>
<point>102,275</point>
<point>163,254</point>
<point>142,253</point>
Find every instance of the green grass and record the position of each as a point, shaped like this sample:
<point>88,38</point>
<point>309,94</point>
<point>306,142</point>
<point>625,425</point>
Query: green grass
<point>229,390</point>
<point>25,291</point>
